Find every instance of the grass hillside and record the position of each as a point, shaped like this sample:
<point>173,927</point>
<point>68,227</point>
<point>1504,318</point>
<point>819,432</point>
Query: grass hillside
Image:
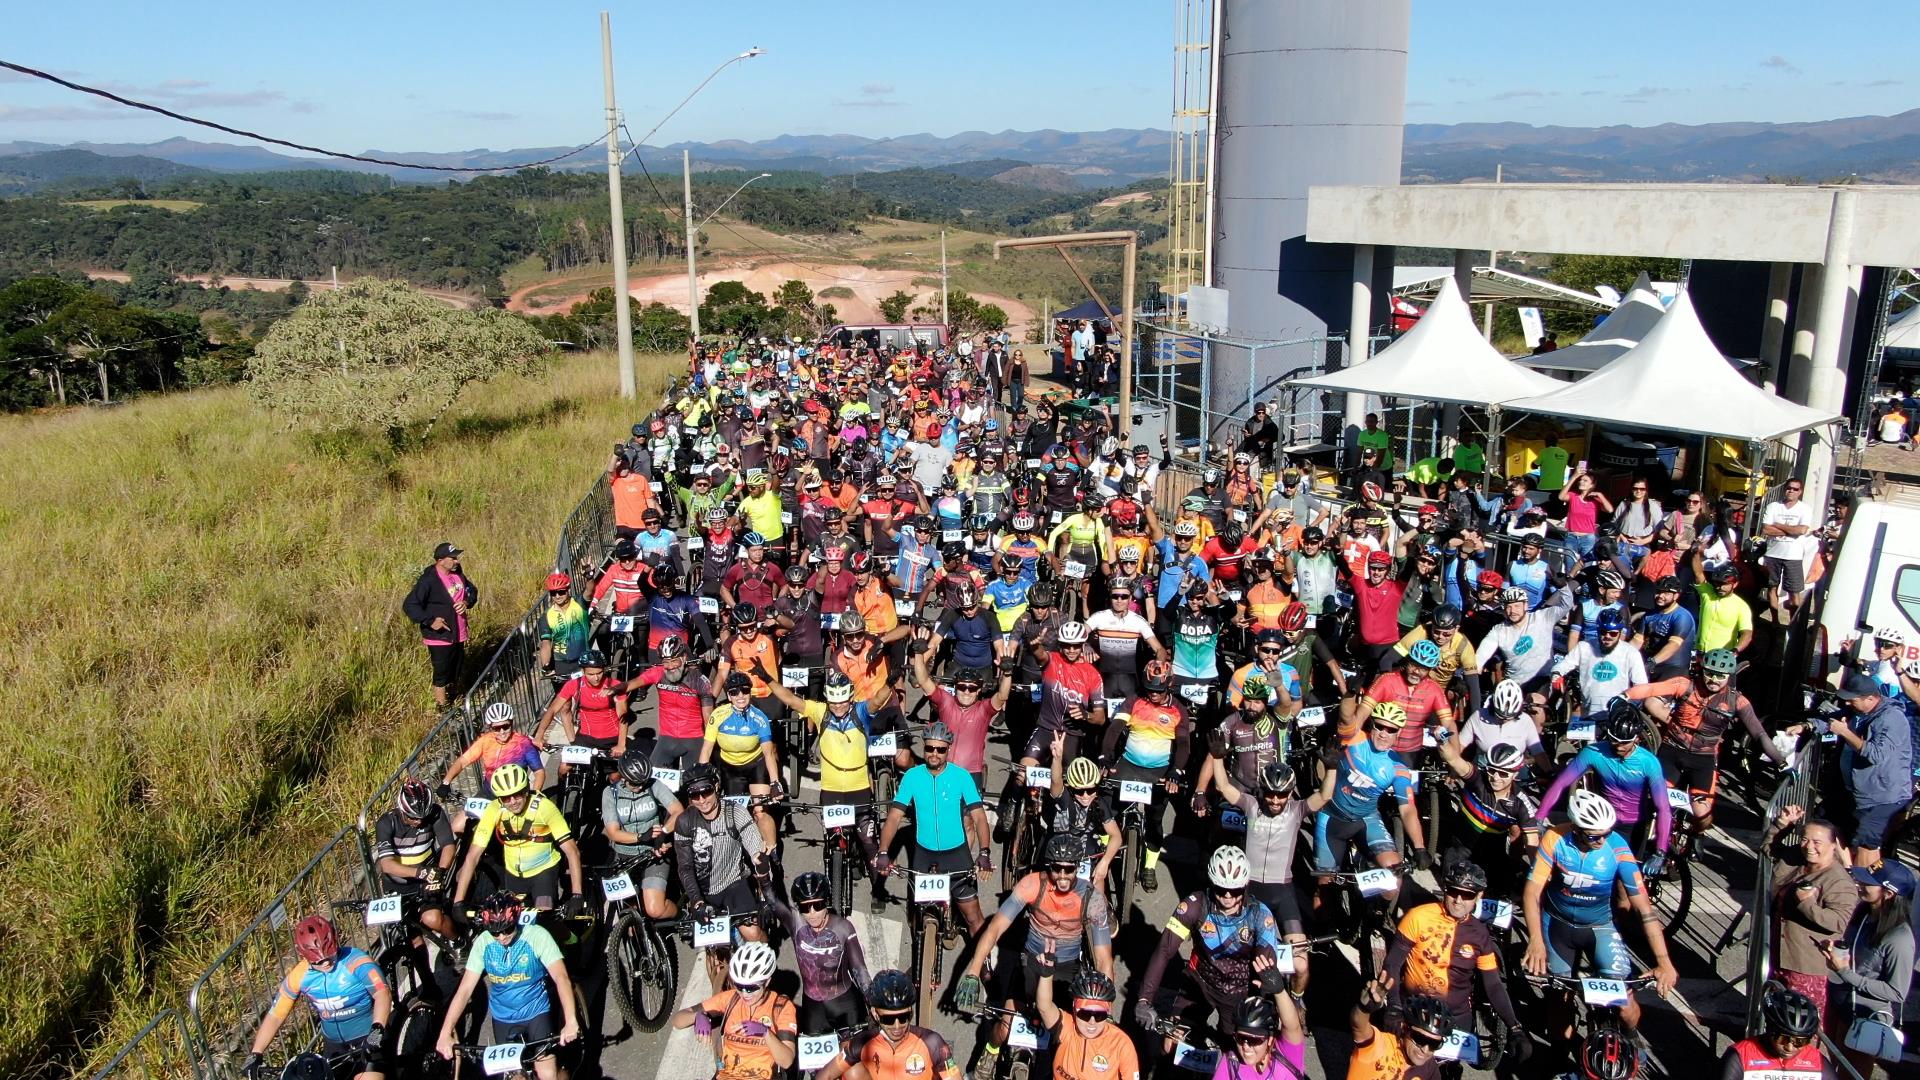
<point>208,670</point>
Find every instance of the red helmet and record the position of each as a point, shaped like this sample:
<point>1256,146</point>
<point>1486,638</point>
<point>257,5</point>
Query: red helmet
<point>1379,558</point>
<point>315,939</point>
<point>1124,511</point>
<point>1491,579</point>
<point>861,562</point>
<point>558,581</point>
<point>1371,492</point>
<point>1294,617</point>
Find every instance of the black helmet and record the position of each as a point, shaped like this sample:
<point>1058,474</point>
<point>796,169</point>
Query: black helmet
<point>1622,723</point>
<point>701,774</point>
<point>890,990</point>
<point>1276,777</point>
<point>1790,1012</point>
<point>499,911</point>
<point>636,768</point>
<point>1063,848</point>
<point>1092,984</point>
<point>593,658</point>
<point>1428,1016</point>
<point>1725,572</point>
<point>1043,594</point>
<point>624,549</point>
<point>1255,1016</point>
<point>738,682</point>
<point>1446,617</point>
<point>811,886</point>
<point>1312,534</point>
<point>1231,534</point>
<point>745,614</point>
<point>796,574</point>
<point>1465,876</point>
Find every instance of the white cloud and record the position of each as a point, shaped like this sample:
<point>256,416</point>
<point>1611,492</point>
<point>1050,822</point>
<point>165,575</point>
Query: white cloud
<point>1781,64</point>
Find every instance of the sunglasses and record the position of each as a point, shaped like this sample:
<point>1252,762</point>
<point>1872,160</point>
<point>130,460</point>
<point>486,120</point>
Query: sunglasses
<point>1421,1038</point>
<point>935,749</point>
<point>702,793</point>
<point>1086,791</point>
<point>1228,894</point>
<point>810,905</point>
<point>1064,868</point>
<point>892,1019</point>
<point>1271,649</point>
<point>1249,1040</point>
<point>1092,1016</point>
<point>749,989</point>
<point>966,688</point>
<point>1464,896</point>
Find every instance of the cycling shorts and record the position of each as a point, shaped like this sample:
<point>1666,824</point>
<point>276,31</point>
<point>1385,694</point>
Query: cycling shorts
<point>1282,901</point>
<point>526,1031</point>
<point>1332,835</point>
<point>825,1017</point>
<point>961,889</point>
<point>737,899</point>
<point>544,883</point>
<point>1569,943</point>
<point>739,779</point>
<point>1699,772</point>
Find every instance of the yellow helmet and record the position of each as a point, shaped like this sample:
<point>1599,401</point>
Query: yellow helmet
<point>1083,774</point>
<point>509,779</point>
<point>1389,715</point>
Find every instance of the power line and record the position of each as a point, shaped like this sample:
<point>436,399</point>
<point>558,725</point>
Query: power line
<point>125,346</point>
<point>184,118</point>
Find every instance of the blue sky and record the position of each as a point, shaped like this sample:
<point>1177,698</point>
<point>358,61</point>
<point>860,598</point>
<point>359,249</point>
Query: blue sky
<point>418,75</point>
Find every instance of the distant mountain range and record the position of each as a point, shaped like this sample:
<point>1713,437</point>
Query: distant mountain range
<point>1877,148</point>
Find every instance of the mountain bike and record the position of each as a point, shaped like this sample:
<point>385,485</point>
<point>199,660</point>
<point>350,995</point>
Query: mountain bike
<point>643,967</point>
<point>587,771</point>
<point>1025,1040</point>
<point>1358,919</point>
<point>934,932</point>
<point>508,1060</point>
<point>423,992</point>
<point>1596,1002</point>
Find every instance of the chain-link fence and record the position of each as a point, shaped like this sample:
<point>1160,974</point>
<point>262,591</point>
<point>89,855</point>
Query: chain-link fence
<point>162,1050</point>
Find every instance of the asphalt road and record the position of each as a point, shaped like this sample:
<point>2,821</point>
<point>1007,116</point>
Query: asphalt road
<point>1686,1032</point>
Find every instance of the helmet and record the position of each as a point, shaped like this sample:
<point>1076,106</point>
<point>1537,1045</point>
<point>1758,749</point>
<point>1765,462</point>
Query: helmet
<point>1622,723</point>
<point>1024,521</point>
<point>1254,688</point>
<point>861,562</point>
<point>1072,633</point>
<point>1228,868</point>
<point>1186,530</point>
<point>811,886</point>
<point>1890,635</point>
<point>1609,578</point>
<point>852,622</point>
<point>752,964</point>
<point>509,779</point>
<point>1508,699</point>
<point>1276,777</point>
<point>1720,662</point>
<point>1044,594</point>
<point>307,1066</point>
<point>745,614</point>
<point>1513,594</point>
<point>1270,636</point>
<point>1505,757</point>
<point>753,539</point>
<point>1010,563</point>
<point>1255,1016</point>
<point>315,939</point>
<point>558,582</point>
<point>415,799</point>
<point>1231,535</point>
<point>700,774</point>
<point>1312,534</point>
<point>1082,774</point>
<point>1607,1055</point>
<point>738,682</point>
<point>1389,715</point>
<point>499,714</point>
<point>500,911</point>
<point>1490,579</point>
<point>636,768</point>
<point>1446,617</point>
<point>1064,848</point>
<point>1590,812</point>
<point>1723,573</point>
<point>1157,678</point>
<point>966,596</point>
<point>1293,617</point>
<point>1790,1012</point>
<point>1610,621</point>
<point>1464,876</point>
<point>624,549</point>
<point>796,574</point>
<point>938,732</point>
<point>839,687</point>
<point>1130,555</point>
<point>593,658</point>
<point>672,648</point>
<point>1428,1016</point>
<point>1424,654</point>
<point>890,990</point>
<point>1092,984</point>
<point>1379,559</point>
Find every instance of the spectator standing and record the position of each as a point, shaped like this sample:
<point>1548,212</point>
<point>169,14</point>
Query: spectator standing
<point>1017,380</point>
<point>1637,518</point>
<point>1786,525</point>
<point>1876,762</point>
<point>1584,504</point>
<point>438,604</point>
<point>1813,898</point>
<point>1872,963</point>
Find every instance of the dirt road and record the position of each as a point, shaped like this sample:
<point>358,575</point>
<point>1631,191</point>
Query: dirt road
<point>451,299</point>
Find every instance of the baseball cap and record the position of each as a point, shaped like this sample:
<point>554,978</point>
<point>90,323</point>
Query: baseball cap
<point>1888,875</point>
<point>1857,685</point>
<point>445,550</point>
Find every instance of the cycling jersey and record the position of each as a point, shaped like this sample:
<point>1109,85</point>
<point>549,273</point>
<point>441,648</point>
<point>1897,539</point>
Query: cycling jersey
<point>1603,677</point>
<point>755,583</point>
<point>1364,774</point>
<point>491,753</point>
<point>1196,644</point>
<point>1066,686</point>
<point>530,841</point>
<point>842,741</point>
<point>637,812</point>
<point>1699,721</point>
<point>919,560</point>
<point>1088,822</point>
<point>1057,921</point>
<point>1287,1062</point>
<point>598,706</point>
<point>939,803</point>
<point>569,628</point>
<point>1086,535</point>
<point>1380,1058</point>
<point>1026,548</point>
<point>762,512</point>
<point>1224,946</point>
<point>1117,639</point>
<point>868,671</point>
<point>921,1054</point>
<point>1526,645</point>
<point>1531,576</point>
<point>412,845</point>
<point>1456,655</point>
<point>1139,546</point>
<point>836,590</point>
<point>1252,745</point>
<point>1488,813</point>
<point>1007,600</point>
<point>1487,730</point>
<point>875,605</point>
<point>1624,782</point>
<point>341,997</point>
<point>1315,578</point>
<point>1271,838</point>
<point>738,736</point>
<point>1658,628</point>
<point>1176,569</point>
<point>969,724</point>
<point>712,852</point>
<point>658,543</point>
<point>743,1056</point>
<point>1440,957</point>
<point>672,616</point>
<point>681,702</point>
<point>1751,1057</point>
<point>972,637</point>
<point>1152,731</point>
<point>1225,561</point>
<point>1579,883</point>
<point>758,658</point>
<point>806,639</point>
<point>830,959</point>
<point>1425,703</point>
<point>1109,1055</point>
<point>516,974</point>
<point>1265,601</point>
<point>626,583</point>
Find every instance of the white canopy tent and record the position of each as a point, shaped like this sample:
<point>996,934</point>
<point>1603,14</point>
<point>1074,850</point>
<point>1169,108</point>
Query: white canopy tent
<point>1903,331</point>
<point>1637,314</point>
<point>1676,380</point>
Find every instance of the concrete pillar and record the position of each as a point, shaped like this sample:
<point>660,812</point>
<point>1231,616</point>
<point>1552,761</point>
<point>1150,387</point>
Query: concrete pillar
<point>1450,414</point>
<point>1359,331</point>
<point>1773,332</point>
<point>1800,366</point>
<point>1827,382</point>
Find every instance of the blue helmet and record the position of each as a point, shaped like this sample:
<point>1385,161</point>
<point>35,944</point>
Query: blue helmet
<point>1610,621</point>
<point>1425,654</point>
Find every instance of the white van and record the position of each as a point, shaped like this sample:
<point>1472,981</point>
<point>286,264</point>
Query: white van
<point>1874,582</point>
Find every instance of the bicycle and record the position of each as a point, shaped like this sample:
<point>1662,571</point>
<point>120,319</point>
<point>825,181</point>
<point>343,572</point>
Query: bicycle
<point>587,769</point>
<point>1598,1004</point>
<point>304,1065</point>
<point>1027,832</point>
<point>1201,1058</point>
<point>843,854</point>
<point>1134,799</point>
<point>1025,1041</point>
<point>1359,923</point>
<point>1671,891</point>
<point>423,993</point>
<point>643,970</point>
<point>506,1061</point>
<point>933,932</point>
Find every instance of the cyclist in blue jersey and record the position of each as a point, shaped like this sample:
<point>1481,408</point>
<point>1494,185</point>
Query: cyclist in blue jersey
<point>655,543</point>
<point>516,961</point>
<point>1347,806</point>
<point>673,613</point>
<point>345,988</point>
<point>947,813</point>
<point>1569,904</point>
<point>1629,773</point>
<point>919,562</point>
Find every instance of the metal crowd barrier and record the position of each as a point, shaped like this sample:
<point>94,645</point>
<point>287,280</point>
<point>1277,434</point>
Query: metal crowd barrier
<point>163,1050</point>
<point>1796,789</point>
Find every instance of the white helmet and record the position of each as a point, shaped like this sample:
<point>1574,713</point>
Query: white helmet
<point>1228,868</point>
<point>1186,529</point>
<point>752,964</point>
<point>1591,813</point>
<point>1072,633</point>
<point>1508,699</point>
<point>1514,594</point>
<point>499,713</point>
<point>1913,669</point>
<point>1890,634</point>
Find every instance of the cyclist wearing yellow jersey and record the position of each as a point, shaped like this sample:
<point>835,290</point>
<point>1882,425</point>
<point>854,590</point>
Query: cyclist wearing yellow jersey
<point>739,739</point>
<point>1457,657</point>
<point>842,727</point>
<point>1079,545</point>
<point>534,836</point>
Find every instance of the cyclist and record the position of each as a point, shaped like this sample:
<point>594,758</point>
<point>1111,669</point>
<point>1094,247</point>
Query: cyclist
<point>1061,908</point>
<point>346,990</point>
<point>1607,670</point>
<point>1629,774</point>
<point>1180,559</point>
<point>1007,596</point>
<point>1694,714</point>
<point>1072,695</point>
<point>1082,811</point>
<point>501,745</point>
<point>414,849</point>
<point>1252,1055</point>
<point>1524,641</point>
<point>1312,574</point>
<point>756,580</point>
<point>1583,621</point>
<point>833,965</point>
<point>754,1028</point>
<point>1494,819</point>
<point>893,1047</point>
<point>1247,741</point>
<point>1118,632</point>
<point>565,628</point>
<point>534,839</point>
<point>686,705</point>
<point>842,727</point>
<point>1421,697</point>
<point>625,580</point>
<point>1273,820</point>
<point>638,813</point>
<point>742,737</point>
<point>1090,1046</point>
<point>1268,665</point>
<point>516,961</point>
<point>964,710</point>
<point>752,653</point>
<point>1410,1055</point>
<point>1196,625</point>
<point>715,851</point>
<point>1441,948</point>
<point>1666,633</point>
<point>973,631</point>
<point>1155,734</point>
<point>1080,544</point>
<point>1788,1044</point>
<point>1305,652</point>
<point>1230,932</point>
<point>596,708</point>
<point>946,809</point>
<point>1503,719</point>
<point>1347,806</point>
<point>674,615</point>
<point>1457,658</point>
<point>1569,902</point>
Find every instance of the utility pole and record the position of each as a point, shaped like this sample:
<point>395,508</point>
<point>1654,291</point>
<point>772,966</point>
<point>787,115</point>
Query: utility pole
<point>943,279</point>
<point>1493,263</point>
<point>693,281</point>
<point>622,318</point>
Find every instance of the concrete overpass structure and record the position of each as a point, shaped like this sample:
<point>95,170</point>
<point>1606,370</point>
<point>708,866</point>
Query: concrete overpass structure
<point>1833,233</point>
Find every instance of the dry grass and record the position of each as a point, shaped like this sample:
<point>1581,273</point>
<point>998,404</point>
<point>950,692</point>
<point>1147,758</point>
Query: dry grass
<point>207,666</point>
<point>176,205</point>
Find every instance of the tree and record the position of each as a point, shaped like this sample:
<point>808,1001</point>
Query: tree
<point>894,308</point>
<point>794,295</point>
<point>970,316</point>
<point>382,355</point>
<point>732,308</point>
<point>659,328</point>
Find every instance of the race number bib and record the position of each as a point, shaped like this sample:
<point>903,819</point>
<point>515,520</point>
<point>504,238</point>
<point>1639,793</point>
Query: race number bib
<point>708,934</point>
<point>709,605</point>
<point>1054,518</point>
<point>1195,692</point>
<point>739,800</point>
<point>1679,800</point>
<point>931,888</point>
<point>786,517</point>
<point>1232,820</point>
<point>1376,882</point>
<point>1580,731</point>
<point>529,916</point>
<point>695,543</point>
<point>574,754</point>
<point>383,911</point>
<point>951,536</point>
<point>829,620</point>
<point>838,817</point>
<point>1283,955</point>
<point>1074,570</point>
<point>669,777</point>
<point>621,624</point>
<point>1039,776</point>
<point>476,806</point>
<point>817,1050</point>
<point>501,1058</point>
<point>1135,791</point>
<point>1194,1059</point>
<point>1497,912</point>
<point>793,677</point>
<point>1022,1035</point>
<point>1034,463</point>
<point>1314,717</point>
<point>1603,991</point>
<point>905,608</point>
<point>881,745</point>
<point>1461,1046</point>
<point>618,887</point>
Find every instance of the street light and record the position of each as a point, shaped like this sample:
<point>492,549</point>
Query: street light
<point>748,55</point>
<point>728,199</point>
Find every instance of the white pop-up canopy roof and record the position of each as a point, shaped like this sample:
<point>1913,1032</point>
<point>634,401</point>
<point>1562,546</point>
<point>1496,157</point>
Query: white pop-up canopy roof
<point>1443,358</point>
<point>1903,331</point>
<point>1631,321</point>
<point>1675,380</point>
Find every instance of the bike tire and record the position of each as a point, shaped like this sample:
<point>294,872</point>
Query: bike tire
<point>1012,852</point>
<point>415,1035</point>
<point>1125,866</point>
<point>797,759</point>
<point>624,957</point>
<point>926,965</point>
<point>1672,895</point>
<point>840,875</point>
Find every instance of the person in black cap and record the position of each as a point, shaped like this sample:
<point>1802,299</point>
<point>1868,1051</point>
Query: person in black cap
<point>1876,761</point>
<point>439,604</point>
